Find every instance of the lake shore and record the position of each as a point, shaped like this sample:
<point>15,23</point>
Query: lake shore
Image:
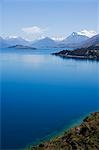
<point>81,136</point>
<point>90,53</point>
<point>58,132</point>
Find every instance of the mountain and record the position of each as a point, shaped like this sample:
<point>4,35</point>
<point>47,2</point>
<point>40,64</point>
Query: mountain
<point>3,43</point>
<point>88,49</point>
<point>16,41</point>
<point>44,43</point>
<point>93,41</point>
<point>73,40</point>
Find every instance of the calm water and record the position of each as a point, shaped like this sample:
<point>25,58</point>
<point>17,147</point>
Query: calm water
<point>42,93</point>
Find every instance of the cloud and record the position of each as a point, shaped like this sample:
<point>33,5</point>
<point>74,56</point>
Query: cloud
<point>33,30</point>
<point>88,33</point>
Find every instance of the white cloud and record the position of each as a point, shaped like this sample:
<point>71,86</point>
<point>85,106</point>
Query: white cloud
<point>88,33</point>
<point>33,30</point>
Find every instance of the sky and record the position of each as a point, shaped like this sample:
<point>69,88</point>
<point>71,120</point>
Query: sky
<point>33,19</point>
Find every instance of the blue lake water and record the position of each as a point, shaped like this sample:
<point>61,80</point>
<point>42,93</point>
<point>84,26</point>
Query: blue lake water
<point>41,94</point>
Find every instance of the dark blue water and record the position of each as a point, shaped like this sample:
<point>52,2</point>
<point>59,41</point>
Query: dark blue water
<point>41,93</point>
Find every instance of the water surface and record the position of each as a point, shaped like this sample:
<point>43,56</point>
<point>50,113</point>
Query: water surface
<point>41,93</point>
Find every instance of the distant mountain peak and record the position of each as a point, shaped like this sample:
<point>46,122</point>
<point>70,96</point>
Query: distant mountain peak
<point>45,42</point>
<point>75,38</point>
<point>74,33</point>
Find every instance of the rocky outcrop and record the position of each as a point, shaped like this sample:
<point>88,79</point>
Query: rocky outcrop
<point>82,137</point>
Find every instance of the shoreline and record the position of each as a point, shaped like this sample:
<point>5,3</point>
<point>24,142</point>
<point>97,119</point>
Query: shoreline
<point>89,53</point>
<point>78,57</point>
<point>59,133</point>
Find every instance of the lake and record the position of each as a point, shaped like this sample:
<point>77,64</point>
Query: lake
<point>41,94</point>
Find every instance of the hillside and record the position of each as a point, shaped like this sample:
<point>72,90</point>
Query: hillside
<point>89,42</point>
<point>91,52</point>
<point>82,137</point>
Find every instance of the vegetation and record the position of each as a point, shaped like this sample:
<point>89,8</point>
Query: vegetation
<point>91,52</point>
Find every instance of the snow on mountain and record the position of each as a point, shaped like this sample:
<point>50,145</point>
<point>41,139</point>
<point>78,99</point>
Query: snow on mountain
<point>73,40</point>
<point>88,33</point>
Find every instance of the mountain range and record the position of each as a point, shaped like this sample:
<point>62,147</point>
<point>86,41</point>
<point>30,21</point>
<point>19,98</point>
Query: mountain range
<point>75,40</point>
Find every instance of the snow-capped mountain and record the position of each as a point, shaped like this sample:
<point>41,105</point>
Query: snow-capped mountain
<point>44,43</point>
<point>73,40</point>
